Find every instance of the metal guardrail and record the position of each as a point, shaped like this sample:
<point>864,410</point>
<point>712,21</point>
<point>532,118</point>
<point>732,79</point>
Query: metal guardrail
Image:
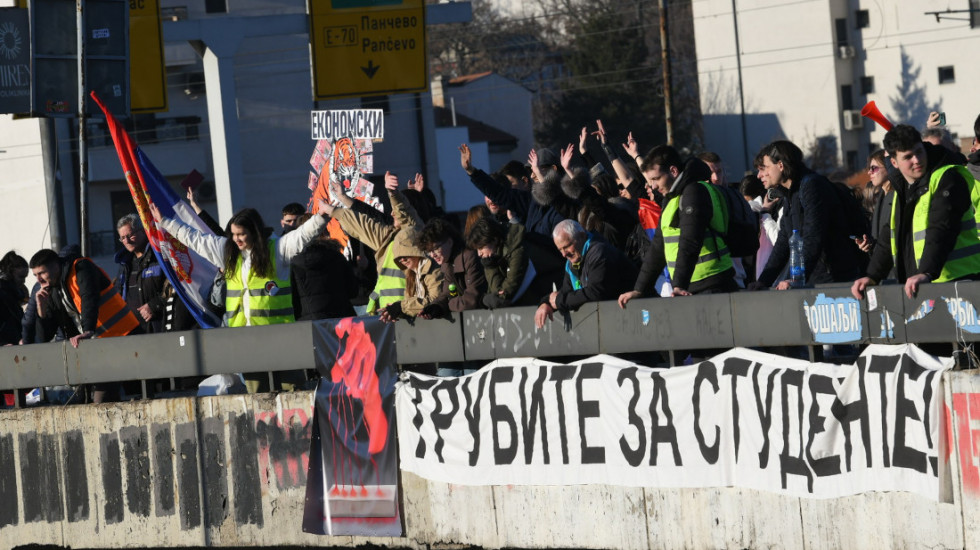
<point>748,319</point>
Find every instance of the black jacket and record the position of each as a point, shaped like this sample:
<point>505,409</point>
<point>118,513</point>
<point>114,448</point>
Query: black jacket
<point>946,209</point>
<point>151,280</point>
<point>539,219</point>
<point>880,220</point>
<point>323,283</point>
<point>12,298</point>
<point>605,273</point>
<point>692,218</point>
<point>814,209</point>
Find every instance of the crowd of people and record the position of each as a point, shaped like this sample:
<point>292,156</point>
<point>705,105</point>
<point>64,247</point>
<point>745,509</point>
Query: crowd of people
<point>556,233</point>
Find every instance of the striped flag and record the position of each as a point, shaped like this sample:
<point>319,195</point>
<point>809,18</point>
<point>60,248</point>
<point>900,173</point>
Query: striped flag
<point>190,274</point>
<point>649,216</point>
<point>650,220</point>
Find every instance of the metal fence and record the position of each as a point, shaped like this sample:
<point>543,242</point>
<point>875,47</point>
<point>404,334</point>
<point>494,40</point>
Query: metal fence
<point>942,313</point>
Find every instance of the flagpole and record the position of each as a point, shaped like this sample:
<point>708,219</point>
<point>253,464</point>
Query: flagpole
<point>82,145</point>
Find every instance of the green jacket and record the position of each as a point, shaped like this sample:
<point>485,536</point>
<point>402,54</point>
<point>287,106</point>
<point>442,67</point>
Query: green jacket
<point>507,272</point>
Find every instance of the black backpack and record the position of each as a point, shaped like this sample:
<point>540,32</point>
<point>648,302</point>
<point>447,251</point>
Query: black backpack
<point>742,235</point>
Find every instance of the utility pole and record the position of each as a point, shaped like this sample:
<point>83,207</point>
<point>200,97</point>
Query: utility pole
<point>665,63</point>
<point>741,91</point>
<point>82,145</point>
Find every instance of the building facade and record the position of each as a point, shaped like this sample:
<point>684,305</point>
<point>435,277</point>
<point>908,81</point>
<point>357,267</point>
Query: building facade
<point>803,70</point>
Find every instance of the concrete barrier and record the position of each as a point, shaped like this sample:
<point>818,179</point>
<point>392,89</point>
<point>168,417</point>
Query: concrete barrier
<point>221,471</point>
<point>231,471</point>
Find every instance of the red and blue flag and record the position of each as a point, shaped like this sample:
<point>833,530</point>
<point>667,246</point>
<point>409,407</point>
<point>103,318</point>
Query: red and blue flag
<point>190,274</point>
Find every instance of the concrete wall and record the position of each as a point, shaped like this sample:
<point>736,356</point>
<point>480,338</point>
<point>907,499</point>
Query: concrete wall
<point>227,471</point>
<point>230,471</point>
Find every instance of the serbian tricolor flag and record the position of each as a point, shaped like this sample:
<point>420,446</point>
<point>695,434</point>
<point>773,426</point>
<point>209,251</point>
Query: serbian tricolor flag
<point>190,274</point>
<point>649,216</point>
<point>650,220</point>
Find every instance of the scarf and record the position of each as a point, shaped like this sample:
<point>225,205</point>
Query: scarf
<point>571,269</point>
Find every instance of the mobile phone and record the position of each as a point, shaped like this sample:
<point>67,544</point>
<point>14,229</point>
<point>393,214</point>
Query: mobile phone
<point>942,118</point>
<point>771,195</point>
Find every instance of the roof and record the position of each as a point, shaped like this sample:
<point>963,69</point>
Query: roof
<point>465,79</point>
<point>479,131</point>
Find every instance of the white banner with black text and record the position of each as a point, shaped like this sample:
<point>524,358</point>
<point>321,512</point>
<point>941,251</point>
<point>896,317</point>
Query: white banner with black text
<point>742,419</point>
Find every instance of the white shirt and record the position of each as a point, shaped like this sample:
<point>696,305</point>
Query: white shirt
<point>212,248</point>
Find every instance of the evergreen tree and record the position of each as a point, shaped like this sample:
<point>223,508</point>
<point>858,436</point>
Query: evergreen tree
<point>910,105</point>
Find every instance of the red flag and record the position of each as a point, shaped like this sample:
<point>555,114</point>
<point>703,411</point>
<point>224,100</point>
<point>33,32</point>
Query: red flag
<point>190,274</point>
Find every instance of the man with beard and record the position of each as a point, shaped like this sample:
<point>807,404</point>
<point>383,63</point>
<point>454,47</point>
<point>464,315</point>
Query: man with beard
<point>541,208</point>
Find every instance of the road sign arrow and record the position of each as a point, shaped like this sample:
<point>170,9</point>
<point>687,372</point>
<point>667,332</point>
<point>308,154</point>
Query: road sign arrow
<point>371,68</point>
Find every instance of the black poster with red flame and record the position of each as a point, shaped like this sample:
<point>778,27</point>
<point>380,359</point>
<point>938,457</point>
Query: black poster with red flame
<point>352,483</point>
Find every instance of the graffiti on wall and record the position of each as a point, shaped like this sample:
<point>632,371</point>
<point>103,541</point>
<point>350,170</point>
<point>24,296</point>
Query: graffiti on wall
<point>156,470</point>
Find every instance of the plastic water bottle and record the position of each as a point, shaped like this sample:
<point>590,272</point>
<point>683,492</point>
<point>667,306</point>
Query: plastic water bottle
<point>797,272</point>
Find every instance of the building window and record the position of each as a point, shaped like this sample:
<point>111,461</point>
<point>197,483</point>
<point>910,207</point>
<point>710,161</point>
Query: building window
<point>847,97</point>
<point>974,14</point>
<point>867,85</point>
<point>376,102</point>
<point>947,75</point>
<point>840,26</point>
<point>215,6</point>
<point>862,19</point>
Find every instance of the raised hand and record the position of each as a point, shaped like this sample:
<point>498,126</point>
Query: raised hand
<point>324,208</point>
<point>566,157</point>
<point>466,158</point>
<point>191,201</point>
<point>582,136</point>
<point>532,159</point>
<point>155,212</point>
<point>630,146</point>
<point>417,183</point>
<point>335,189</point>
<point>391,181</point>
<point>601,132</point>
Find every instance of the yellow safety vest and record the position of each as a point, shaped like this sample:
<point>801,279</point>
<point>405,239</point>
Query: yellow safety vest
<point>390,287</point>
<point>964,259</point>
<point>270,300</point>
<point>714,257</point>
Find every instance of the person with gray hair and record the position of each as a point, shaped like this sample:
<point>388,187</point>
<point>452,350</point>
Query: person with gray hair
<point>594,271</point>
<point>941,137</point>
<point>141,279</point>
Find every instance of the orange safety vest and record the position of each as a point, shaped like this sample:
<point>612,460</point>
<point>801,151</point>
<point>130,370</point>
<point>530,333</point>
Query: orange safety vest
<point>116,318</point>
